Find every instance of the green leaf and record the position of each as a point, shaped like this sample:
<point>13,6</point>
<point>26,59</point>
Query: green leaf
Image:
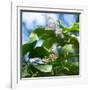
<point>70,68</point>
<point>44,34</point>
<point>75,41</point>
<point>74,27</point>
<point>25,72</point>
<point>33,37</point>
<point>49,42</point>
<point>44,68</point>
<point>39,31</point>
<point>28,47</point>
<point>68,48</point>
<point>59,24</point>
<point>39,52</point>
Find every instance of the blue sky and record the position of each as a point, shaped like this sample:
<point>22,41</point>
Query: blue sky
<point>31,20</point>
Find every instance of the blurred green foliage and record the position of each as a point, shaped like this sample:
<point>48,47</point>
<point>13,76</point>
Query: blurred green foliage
<point>67,61</point>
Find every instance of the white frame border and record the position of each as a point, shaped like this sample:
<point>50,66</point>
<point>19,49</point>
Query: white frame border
<point>15,42</point>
